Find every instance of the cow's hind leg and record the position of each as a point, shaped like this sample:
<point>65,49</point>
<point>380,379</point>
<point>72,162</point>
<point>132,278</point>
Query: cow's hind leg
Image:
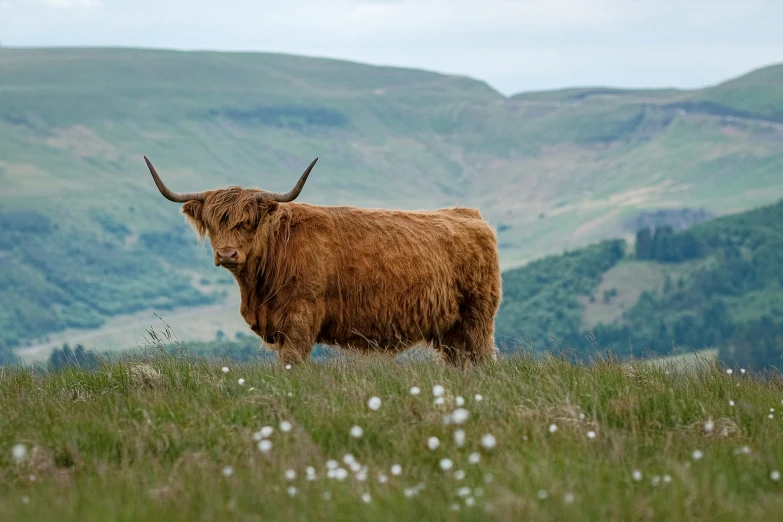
<point>471,340</point>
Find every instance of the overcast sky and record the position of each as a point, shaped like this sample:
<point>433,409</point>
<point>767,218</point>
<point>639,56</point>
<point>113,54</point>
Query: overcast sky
<point>514,45</point>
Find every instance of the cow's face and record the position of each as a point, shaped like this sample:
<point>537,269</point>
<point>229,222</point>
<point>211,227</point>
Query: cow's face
<point>234,218</point>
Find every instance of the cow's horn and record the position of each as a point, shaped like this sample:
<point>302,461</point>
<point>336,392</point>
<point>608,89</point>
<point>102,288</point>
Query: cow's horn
<point>176,197</point>
<point>294,192</point>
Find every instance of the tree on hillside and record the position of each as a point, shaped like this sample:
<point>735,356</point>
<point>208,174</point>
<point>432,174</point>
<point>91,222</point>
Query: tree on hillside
<point>757,344</point>
<point>79,357</point>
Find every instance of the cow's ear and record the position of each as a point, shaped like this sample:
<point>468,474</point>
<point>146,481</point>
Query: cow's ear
<point>192,211</point>
<point>272,206</point>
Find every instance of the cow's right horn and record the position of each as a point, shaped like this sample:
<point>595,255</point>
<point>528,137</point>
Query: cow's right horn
<point>176,197</point>
<point>294,192</point>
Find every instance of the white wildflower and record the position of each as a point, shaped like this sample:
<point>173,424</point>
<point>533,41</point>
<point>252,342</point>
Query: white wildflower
<point>637,475</point>
<point>459,474</point>
<point>463,492</point>
<point>697,454</point>
<point>374,403</point>
<point>488,441</point>
<point>774,475</point>
<point>474,458</point>
<point>228,471</point>
<point>655,480</point>
<point>709,426</point>
<point>19,452</point>
<point>459,438</point>
<point>460,415</point>
<point>225,369</point>
<point>332,464</point>
<point>349,459</point>
<point>568,498</point>
<point>552,428</point>
<point>383,479</point>
<point>366,498</point>
<point>287,366</point>
<point>241,381</point>
<point>290,474</point>
<point>415,390</point>
<point>357,432</point>
<point>478,397</point>
<point>266,431</point>
<point>542,494</point>
<point>731,403</point>
<point>265,445</point>
<point>591,434</point>
<point>729,371</point>
<point>361,474</point>
<point>459,401</point>
<point>470,501</point>
<point>340,474</point>
<point>438,401</point>
<point>433,443</point>
<point>285,426</point>
<point>446,464</point>
<point>438,390</point>
<point>396,469</point>
<point>291,491</point>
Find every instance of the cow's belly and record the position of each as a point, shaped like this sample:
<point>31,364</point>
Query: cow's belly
<point>391,322</point>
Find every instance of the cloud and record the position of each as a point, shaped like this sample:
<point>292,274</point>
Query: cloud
<point>65,4</point>
<point>513,44</point>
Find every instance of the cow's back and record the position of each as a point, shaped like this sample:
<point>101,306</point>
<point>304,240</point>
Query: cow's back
<point>393,278</point>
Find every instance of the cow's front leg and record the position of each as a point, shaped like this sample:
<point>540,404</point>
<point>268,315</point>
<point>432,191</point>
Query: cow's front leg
<point>297,334</point>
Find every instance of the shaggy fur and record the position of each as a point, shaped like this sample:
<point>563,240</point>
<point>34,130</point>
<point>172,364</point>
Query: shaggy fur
<point>363,279</point>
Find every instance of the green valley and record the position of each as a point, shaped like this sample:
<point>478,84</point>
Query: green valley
<point>717,285</point>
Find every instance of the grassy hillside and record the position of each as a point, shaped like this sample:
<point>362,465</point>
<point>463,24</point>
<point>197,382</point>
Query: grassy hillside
<point>717,284</point>
<point>550,172</point>
<point>543,440</point>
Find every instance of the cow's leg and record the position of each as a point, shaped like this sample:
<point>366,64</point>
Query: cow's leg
<point>480,340</point>
<point>297,335</point>
<point>452,348</point>
<point>471,340</point>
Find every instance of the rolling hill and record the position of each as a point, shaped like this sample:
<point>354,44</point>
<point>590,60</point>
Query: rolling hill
<point>716,285</point>
<point>85,237</point>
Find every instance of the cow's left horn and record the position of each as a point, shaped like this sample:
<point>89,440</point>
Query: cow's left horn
<point>176,197</point>
<point>294,192</point>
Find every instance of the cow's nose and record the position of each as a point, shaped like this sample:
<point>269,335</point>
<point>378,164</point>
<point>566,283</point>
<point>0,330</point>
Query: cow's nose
<point>227,255</point>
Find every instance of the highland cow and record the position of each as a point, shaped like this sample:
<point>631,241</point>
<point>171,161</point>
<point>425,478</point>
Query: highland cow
<point>370,280</point>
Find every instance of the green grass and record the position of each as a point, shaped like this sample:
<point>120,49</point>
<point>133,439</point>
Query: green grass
<point>105,446</point>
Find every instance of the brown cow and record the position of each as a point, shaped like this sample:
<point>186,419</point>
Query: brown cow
<point>370,280</point>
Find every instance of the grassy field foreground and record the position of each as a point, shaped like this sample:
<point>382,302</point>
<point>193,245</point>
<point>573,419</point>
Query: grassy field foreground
<point>543,440</point>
